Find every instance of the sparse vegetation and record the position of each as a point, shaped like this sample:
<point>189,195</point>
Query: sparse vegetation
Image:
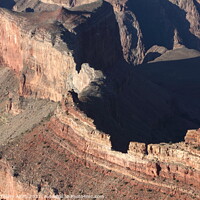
<point>15,173</point>
<point>70,186</point>
<point>197,148</point>
<point>125,183</point>
<point>48,117</point>
<point>39,188</point>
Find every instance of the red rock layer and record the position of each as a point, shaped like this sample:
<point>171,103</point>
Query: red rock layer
<point>175,162</point>
<point>53,159</point>
<point>26,53</point>
<point>42,157</point>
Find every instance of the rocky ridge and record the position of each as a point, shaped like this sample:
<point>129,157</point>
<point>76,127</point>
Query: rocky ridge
<point>167,168</point>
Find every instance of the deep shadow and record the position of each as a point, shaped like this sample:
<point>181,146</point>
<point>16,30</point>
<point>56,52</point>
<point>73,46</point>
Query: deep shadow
<point>158,19</point>
<point>76,12</point>
<point>95,43</point>
<point>151,56</point>
<point>7,4</point>
<point>128,105</point>
<point>148,104</point>
<point>29,10</point>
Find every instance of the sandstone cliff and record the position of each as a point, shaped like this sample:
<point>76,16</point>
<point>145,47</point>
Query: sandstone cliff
<point>53,41</point>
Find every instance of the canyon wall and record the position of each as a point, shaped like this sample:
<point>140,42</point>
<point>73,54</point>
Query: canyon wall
<point>54,52</point>
<point>191,9</point>
<point>24,49</point>
<point>139,32</point>
<point>47,57</point>
<point>178,162</point>
<point>193,137</point>
<point>71,137</point>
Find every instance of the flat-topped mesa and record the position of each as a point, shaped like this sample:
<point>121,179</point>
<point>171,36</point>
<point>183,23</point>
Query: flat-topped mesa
<point>193,137</point>
<point>69,3</point>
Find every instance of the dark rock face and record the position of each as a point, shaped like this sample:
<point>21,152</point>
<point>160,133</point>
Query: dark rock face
<point>179,16</point>
<point>161,22</point>
<point>162,18</point>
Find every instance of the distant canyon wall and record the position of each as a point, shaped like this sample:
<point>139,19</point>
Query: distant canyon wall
<point>69,3</point>
<point>192,9</point>
<point>139,34</point>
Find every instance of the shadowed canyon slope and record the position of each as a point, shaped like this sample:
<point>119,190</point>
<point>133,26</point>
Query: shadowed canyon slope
<point>98,97</point>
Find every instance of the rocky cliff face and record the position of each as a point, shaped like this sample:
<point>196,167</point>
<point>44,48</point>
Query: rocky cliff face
<point>73,139</point>
<point>26,55</point>
<point>193,137</point>
<point>141,32</point>
<point>42,44</point>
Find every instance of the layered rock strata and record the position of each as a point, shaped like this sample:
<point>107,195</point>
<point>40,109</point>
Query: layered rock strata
<point>193,137</point>
<point>71,136</point>
<point>33,49</point>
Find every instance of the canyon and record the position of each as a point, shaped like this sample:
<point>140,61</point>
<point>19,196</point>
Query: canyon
<point>98,98</point>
